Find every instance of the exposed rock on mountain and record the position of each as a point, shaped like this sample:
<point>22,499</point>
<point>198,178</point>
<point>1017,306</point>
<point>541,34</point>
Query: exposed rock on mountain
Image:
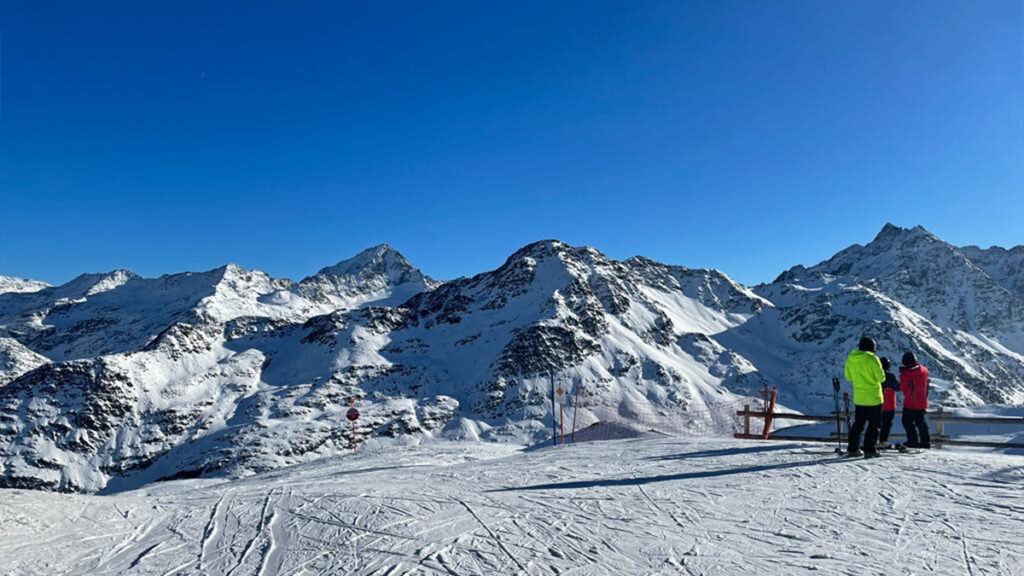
<point>910,291</point>
<point>1005,267</point>
<point>380,276</point>
<point>114,380</point>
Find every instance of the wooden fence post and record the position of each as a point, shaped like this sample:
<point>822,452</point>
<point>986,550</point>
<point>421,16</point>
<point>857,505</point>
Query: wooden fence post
<point>768,414</point>
<point>940,428</point>
<point>746,420</point>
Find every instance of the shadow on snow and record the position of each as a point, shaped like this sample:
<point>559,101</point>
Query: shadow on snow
<point>727,452</point>
<point>642,480</point>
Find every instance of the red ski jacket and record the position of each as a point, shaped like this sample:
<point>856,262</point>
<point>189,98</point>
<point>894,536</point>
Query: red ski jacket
<point>914,385</point>
<point>889,388</point>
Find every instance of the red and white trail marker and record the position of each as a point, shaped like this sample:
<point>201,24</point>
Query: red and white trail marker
<point>352,415</point>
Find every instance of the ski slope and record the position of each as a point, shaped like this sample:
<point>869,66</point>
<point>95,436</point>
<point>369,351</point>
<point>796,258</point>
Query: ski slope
<point>637,506</point>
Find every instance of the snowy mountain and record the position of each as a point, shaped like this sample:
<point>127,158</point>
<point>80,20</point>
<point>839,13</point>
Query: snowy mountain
<point>16,359</point>
<point>12,284</point>
<point>222,372</point>
<point>1005,267</point>
<point>910,291</point>
<point>380,276</point>
<point>114,380</point>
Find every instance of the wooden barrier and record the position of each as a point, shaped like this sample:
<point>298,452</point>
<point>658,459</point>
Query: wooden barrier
<point>938,439</point>
<point>768,416</point>
<point>938,416</point>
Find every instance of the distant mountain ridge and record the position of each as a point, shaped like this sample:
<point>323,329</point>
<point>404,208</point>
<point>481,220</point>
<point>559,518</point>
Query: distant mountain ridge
<point>12,284</point>
<point>113,380</point>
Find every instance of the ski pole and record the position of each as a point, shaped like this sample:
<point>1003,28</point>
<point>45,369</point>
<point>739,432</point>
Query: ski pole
<point>846,402</point>
<point>839,425</point>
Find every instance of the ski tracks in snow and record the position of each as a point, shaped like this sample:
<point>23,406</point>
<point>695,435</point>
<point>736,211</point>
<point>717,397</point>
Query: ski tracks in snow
<point>670,506</point>
<point>213,526</point>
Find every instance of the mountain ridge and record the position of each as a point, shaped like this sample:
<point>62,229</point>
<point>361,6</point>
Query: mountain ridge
<point>232,372</point>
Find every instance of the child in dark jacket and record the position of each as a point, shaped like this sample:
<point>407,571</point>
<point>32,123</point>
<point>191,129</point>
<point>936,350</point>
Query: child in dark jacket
<point>889,388</point>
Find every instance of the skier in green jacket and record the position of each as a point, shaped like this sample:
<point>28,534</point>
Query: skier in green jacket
<point>864,371</point>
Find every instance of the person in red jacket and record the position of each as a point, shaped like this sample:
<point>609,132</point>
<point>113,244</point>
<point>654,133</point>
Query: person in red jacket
<point>889,388</point>
<point>914,385</point>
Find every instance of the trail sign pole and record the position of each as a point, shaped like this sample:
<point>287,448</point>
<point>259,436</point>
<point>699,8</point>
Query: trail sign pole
<point>575,410</point>
<point>554,425</point>
<point>352,415</point>
<point>560,398</point>
<point>561,420</point>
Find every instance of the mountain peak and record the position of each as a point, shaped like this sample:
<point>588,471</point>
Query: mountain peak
<point>380,275</point>
<point>893,250</point>
<point>891,232</point>
<point>541,248</point>
<point>373,260</point>
<point>93,283</point>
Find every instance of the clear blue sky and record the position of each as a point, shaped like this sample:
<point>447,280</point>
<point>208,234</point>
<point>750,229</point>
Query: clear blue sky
<point>746,136</point>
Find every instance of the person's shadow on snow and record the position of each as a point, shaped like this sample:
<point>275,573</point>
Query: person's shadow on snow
<point>642,480</point>
<point>726,452</point>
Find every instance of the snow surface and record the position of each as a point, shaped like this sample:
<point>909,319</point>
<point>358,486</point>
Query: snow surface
<point>16,359</point>
<point>639,506</point>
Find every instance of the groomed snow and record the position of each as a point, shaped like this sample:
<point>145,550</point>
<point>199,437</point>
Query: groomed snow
<point>636,506</point>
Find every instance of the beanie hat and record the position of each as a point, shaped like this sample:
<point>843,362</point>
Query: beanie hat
<point>866,344</point>
<point>909,361</point>
<point>885,364</point>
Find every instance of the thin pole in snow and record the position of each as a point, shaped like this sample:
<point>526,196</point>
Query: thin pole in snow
<point>554,425</point>
<point>352,415</point>
<point>561,420</point>
<point>575,410</point>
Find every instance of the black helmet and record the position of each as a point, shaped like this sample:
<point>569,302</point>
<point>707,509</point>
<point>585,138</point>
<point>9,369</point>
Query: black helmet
<point>866,344</point>
<point>909,360</point>
<point>885,364</point>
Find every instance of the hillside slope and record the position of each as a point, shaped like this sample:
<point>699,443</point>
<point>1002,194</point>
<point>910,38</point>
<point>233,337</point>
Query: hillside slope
<point>644,506</point>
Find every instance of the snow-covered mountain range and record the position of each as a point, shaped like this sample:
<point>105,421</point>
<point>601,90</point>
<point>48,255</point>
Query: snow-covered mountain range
<point>12,284</point>
<point>113,380</point>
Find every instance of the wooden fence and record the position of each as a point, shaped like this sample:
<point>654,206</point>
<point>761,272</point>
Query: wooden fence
<point>939,417</point>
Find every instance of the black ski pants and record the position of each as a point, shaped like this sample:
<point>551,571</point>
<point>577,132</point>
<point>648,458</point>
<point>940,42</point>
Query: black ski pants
<point>871,417</point>
<point>887,418</point>
<point>916,427</point>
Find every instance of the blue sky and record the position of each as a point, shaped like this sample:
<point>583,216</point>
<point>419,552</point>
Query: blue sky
<point>746,136</point>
